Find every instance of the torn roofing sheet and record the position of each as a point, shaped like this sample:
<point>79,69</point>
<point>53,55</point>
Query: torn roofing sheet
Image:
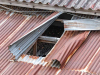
<point>25,42</point>
<point>87,57</point>
<point>76,4</point>
<point>31,59</point>
<point>45,69</point>
<point>88,54</point>
<point>82,24</point>
<point>13,26</point>
<point>66,47</point>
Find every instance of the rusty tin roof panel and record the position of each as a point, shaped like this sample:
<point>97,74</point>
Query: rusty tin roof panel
<point>77,4</point>
<point>66,49</point>
<point>87,56</point>
<point>13,26</point>
<point>42,70</point>
<point>17,68</point>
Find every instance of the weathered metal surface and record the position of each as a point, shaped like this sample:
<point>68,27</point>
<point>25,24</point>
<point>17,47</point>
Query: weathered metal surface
<point>74,6</point>
<point>42,70</point>
<point>82,24</point>
<point>77,4</point>
<point>87,56</point>
<point>72,72</point>
<point>84,61</point>
<point>17,68</point>
<point>48,39</point>
<point>21,45</point>
<point>31,59</point>
<point>58,57</point>
<point>14,26</point>
<point>82,16</point>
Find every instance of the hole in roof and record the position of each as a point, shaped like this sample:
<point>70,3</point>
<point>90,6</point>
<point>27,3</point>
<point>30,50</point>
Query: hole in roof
<point>55,30</point>
<point>43,47</point>
<point>65,16</point>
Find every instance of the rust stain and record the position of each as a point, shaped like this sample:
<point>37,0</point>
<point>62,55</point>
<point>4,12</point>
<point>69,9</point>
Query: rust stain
<point>23,56</point>
<point>13,28</point>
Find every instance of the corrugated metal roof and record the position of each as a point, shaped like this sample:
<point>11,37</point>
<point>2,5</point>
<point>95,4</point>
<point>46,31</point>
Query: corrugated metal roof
<point>42,70</point>
<point>72,72</point>
<point>87,56</point>
<point>82,24</point>
<point>84,61</point>
<point>17,68</point>
<point>13,26</point>
<point>77,4</point>
<point>84,53</point>
<point>66,48</point>
<point>30,38</point>
<point>31,59</point>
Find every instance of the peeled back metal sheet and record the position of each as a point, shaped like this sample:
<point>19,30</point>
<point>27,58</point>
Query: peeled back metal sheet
<point>22,44</point>
<point>82,24</point>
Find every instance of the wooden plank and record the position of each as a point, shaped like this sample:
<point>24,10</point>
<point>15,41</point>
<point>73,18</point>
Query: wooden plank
<point>35,49</point>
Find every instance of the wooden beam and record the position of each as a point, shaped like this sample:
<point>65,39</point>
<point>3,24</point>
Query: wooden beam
<point>45,39</point>
<point>35,49</point>
<point>29,48</point>
<point>60,20</point>
<point>48,39</point>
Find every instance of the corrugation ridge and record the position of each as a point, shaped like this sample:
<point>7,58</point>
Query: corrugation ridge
<point>11,69</point>
<point>76,55</point>
<point>58,46</point>
<point>85,4</point>
<point>94,67</point>
<point>4,17</point>
<point>16,69</point>
<point>34,70</point>
<point>62,56</point>
<point>7,22</point>
<point>73,72</point>
<point>13,25</point>
<point>48,17</point>
<point>6,62</point>
<point>86,56</point>
<point>27,27</point>
<point>26,70</point>
<point>4,48</point>
<point>70,62</point>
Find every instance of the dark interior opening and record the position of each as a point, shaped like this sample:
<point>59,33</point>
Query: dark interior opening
<point>43,48</point>
<point>65,16</point>
<point>55,30</point>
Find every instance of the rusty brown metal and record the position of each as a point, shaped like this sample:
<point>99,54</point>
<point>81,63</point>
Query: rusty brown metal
<point>60,56</point>
<point>82,24</point>
<point>87,56</point>
<point>13,26</point>
<point>72,72</point>
<point>84,61</point>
